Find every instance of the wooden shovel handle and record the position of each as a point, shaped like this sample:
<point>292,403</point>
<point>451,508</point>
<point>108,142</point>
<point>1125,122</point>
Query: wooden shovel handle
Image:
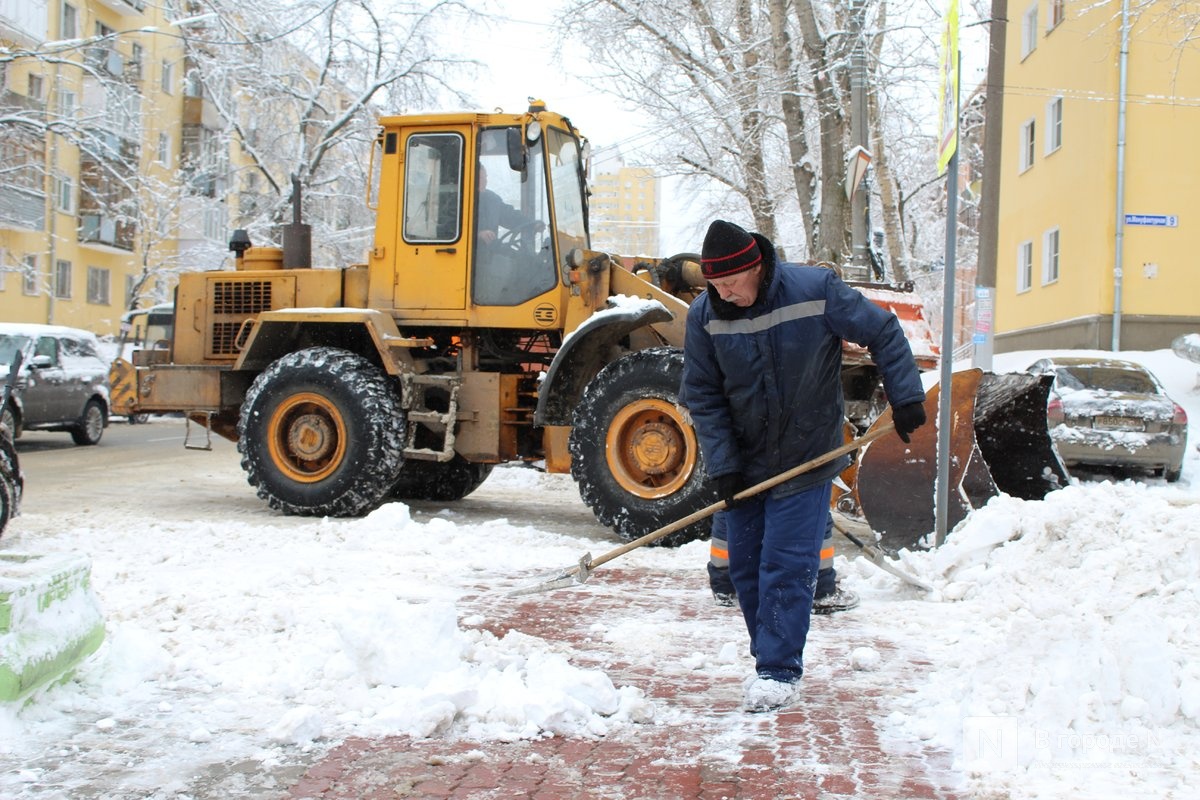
<point>769,483</point>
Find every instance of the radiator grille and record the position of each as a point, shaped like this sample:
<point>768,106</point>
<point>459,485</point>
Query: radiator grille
<point>233,303</point>
<point>241,297</point>
<point>224,335</point>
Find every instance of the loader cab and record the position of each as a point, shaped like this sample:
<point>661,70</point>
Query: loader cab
<point>475,214</point>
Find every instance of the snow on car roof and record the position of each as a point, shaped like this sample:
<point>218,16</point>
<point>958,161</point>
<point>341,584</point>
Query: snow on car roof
<point>39,329</point>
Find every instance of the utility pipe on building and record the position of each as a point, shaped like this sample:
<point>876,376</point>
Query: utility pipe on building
<point>859,200</point>
<point>1119,244</point>
<point>989,204</point>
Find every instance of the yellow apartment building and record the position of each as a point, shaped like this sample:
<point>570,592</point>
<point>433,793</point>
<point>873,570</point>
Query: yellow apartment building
<point>1097,231</point>
<point>94,129</point>
<point>624,208</point>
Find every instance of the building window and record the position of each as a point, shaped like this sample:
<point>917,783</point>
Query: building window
<point>62,279</point>
<point>1057,13</point>
<point>1054,119</point>
<point>214,223</point>
<point>68,25</point>
<point>98,286</point>
<point>163,155</point>
<point>64,194</point>
<point>29,276</point>
<point>35,87</point>
<point>1024,266</point>
<point>1029,30</point>
<point>168,77</point>
<point>1050,256</point>
<point>133,67</point>
<point>66,104</point>
<point>1028,144</point>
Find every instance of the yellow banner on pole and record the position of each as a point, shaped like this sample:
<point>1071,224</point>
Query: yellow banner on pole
<point>948,90</point>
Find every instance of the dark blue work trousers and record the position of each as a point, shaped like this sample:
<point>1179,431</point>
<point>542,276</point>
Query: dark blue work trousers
<point>774,556</point>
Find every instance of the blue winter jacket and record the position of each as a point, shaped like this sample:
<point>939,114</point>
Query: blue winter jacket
<point>763,383</point>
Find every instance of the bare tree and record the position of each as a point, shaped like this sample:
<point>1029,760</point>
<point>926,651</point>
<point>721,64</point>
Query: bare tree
<point>297,90</point>
<point>753,95</point>
<point>701,71</point>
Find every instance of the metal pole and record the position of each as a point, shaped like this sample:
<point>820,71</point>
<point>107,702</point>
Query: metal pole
<point>942,493</point>
<point>1119,243</point>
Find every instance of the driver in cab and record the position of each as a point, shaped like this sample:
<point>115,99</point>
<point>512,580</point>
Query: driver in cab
<point>492,213</point>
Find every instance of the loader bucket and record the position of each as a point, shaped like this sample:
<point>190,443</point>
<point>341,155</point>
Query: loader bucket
<point>998,443</point>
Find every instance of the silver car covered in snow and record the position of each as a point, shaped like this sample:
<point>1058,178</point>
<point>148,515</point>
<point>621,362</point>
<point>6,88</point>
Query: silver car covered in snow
<point>1113,413</point>
<point>62,384</point>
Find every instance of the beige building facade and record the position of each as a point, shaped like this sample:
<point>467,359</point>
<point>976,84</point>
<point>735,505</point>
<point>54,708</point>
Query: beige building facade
<point>1098,230</point>
<point>95,134</point>
<point>624,208</point>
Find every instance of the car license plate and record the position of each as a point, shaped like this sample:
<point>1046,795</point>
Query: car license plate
<point>1119,423</point>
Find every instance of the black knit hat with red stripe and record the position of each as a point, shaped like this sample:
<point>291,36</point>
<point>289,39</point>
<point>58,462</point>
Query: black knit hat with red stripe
<point>728,250</point>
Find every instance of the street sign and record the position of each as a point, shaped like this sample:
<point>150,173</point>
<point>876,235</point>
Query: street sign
<point>856,169</point>
<point>948,90</point>
<point>1153,220</point>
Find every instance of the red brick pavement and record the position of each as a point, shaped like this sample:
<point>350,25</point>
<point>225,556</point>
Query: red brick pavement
<point>827,747</point>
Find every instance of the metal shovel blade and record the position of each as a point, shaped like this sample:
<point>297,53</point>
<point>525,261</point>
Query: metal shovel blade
<point>880,559</point>
<point>569,577</point>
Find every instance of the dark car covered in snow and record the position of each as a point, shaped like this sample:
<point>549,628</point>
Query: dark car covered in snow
<point>62,384</point>
<point>1113,413</point>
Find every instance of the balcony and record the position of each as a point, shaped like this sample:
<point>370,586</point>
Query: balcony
<point>105,230</point>
<point>11,102</point>
<point>126,8</point>
<point>23,23</point>
<point>105,59</point>
<point>201,112</point>
<point>22,208</point>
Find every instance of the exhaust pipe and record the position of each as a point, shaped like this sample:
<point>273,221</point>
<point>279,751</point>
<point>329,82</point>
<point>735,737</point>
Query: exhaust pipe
<point>297,237</point>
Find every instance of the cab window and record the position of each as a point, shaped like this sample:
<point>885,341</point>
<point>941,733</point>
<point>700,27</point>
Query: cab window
<point>514,257</point>
<point>433,188</point>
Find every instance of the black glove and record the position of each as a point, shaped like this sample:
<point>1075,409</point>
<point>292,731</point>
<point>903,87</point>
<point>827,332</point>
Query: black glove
<point>908,418</point>
<point>727,486</point>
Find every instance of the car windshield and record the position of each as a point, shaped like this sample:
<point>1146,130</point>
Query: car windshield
<point>10,344</point>
<point>1106,378</point>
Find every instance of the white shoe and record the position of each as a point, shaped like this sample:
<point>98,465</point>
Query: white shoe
<point>766,694</point>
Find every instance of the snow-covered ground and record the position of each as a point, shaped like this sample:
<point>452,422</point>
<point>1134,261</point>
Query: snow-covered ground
<point>1064,637</point>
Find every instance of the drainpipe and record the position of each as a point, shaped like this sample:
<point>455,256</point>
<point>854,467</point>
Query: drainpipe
<point>1119,244</point>
<point>52,204</point>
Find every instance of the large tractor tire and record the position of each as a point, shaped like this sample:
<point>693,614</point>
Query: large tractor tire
<point>633,452</point>
<point>442,482</point>
<point>10,481</point>
<point>321,433</point>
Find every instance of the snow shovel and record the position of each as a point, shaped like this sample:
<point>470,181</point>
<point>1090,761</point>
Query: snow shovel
<point>879,559</point>
<point>580,572</point>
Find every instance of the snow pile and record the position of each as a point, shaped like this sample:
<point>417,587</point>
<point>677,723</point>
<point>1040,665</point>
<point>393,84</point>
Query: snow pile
<point>1064,634</point>
<point>315,631</point>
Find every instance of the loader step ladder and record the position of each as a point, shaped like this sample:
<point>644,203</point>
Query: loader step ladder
<point>207,426</point>
<point>416,389</point>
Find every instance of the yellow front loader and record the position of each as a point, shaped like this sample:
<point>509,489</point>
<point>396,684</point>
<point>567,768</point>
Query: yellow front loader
<point>482,329</point>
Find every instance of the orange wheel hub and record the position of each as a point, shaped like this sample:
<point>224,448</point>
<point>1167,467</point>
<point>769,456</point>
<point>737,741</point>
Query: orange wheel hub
<point>650,450</point>
<point>307,437</point>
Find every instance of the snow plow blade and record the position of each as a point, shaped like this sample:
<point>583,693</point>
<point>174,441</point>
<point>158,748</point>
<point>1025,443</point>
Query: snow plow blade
<point>998,443</point>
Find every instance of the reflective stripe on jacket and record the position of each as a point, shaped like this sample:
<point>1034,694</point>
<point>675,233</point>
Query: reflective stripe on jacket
<point>763,384</point>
